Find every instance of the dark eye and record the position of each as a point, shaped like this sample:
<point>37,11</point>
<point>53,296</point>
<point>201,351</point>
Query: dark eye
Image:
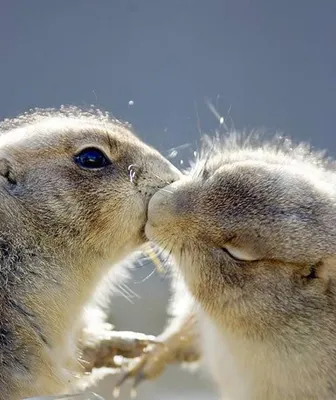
<point>92,158</point>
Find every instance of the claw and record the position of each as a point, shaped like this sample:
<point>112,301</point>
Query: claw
<point>116,392</point>
<point>139,377</point>
<point>153,361</point>
<point>123,379</point>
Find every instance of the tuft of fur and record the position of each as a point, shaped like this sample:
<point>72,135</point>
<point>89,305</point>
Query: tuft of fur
<point>35,115</point>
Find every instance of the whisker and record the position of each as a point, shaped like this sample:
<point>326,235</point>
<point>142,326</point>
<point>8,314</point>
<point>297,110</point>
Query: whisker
<point>172,152</point>
<point>166,190</point>
<point>147,277</point>
<point>127,292</point>
<point>131,168</point>
<point>216,114</point>
<point>130,291</point>
<point>160,178</point>
<point>198,121</point>
<point>145,262</point>
<point>153,256</point>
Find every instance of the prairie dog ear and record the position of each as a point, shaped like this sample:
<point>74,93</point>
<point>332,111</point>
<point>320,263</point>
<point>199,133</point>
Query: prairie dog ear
<point>3,166</point>
<point>6,171</point>
<point>240,253</point>
<point>326,269</point>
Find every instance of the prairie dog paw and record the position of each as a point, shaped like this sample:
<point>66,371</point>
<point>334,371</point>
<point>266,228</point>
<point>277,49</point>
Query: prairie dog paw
<point>155,358</point>
<point>99,349</point>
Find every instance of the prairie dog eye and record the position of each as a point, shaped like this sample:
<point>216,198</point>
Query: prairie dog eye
<point>91,158</point>
<point>239,254</point>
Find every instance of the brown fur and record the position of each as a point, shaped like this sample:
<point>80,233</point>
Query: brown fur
<point>267,319</point>
<point>61,227</point>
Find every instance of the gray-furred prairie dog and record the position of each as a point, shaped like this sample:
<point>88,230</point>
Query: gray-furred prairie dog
<point>74,190</point>
<point>252,232</point>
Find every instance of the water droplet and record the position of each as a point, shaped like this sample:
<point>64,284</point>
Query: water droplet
<point>172,154</point>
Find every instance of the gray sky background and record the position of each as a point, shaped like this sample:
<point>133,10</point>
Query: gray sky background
<point>273,62</point>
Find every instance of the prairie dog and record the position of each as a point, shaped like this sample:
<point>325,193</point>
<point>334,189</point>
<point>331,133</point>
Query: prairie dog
<point>74,190</point>
<point>252,231</point>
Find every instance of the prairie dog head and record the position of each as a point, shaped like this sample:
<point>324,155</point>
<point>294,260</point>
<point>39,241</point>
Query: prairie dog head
<point>252,229</point>
<point>78,178</point>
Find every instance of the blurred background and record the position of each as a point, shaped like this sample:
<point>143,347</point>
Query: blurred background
<point>158,64</point>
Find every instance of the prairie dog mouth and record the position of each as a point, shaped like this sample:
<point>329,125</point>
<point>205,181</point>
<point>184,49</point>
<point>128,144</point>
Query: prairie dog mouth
<point>152,254</point>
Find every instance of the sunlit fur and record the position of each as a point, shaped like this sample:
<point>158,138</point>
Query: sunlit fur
<point>267,327</point>
<point>61,227</point>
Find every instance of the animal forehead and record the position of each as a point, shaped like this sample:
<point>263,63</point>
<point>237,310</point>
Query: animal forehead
<point>65,132</point>
<point>255,172</point>
<point>281,172</point>
<point>275,188</point>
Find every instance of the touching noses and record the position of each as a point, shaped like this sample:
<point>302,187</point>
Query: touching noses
<point>153,176</point>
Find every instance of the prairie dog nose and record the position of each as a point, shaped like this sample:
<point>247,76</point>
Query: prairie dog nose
<point>169,203</point>
<point>157,207</point>
<point>168,172</point>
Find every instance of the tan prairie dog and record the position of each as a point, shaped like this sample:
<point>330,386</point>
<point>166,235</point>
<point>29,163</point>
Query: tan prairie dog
<point>252,232</point>
<point>74,190</point>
